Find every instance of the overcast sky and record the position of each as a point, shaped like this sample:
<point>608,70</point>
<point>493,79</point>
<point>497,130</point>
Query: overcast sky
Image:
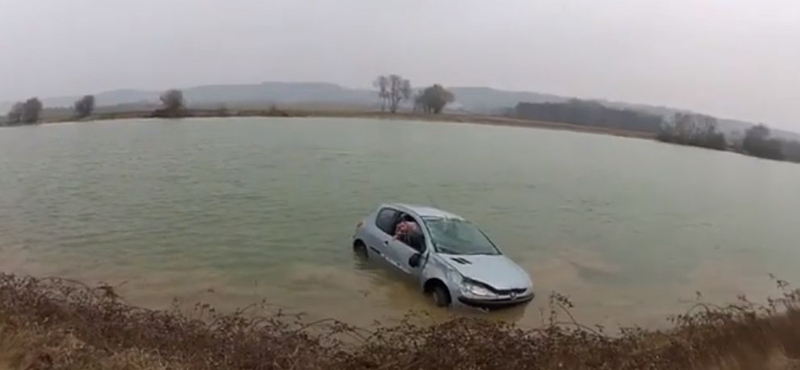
<point>732,58</point>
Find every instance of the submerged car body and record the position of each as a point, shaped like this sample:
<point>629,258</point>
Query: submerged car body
<point>449,258</point>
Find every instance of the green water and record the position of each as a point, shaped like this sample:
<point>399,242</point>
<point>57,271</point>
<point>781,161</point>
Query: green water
<point>232,211</point>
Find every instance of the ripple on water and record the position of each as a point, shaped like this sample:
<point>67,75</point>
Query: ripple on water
<point>249,209</point>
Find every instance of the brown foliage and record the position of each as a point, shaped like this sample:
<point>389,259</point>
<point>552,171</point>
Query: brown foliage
<point>68,325</point>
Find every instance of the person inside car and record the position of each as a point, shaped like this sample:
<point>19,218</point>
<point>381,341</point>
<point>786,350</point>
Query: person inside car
<point>405,229</point>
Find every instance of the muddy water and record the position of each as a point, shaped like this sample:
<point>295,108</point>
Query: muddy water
<point>233,211</point>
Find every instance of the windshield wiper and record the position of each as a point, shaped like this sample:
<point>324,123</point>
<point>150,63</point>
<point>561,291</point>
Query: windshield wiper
<point>482,253</point>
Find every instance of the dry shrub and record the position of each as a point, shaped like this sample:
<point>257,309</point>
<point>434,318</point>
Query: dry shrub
<point>62,324</point>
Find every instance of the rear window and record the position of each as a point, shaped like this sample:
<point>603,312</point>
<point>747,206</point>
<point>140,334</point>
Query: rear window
<point>386,219</point>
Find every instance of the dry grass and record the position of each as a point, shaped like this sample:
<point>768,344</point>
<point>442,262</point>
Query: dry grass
<point>61,324</point>
<point>38,347</point>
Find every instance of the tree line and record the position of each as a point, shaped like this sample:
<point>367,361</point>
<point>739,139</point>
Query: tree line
<point>701,130</point>
<point>30,111</point>
<point>759,142</point>
<point>26,112</point>
<point>590,113</point>
<point>394,89</point>
<point>681,128</point>
<point>693,129</point>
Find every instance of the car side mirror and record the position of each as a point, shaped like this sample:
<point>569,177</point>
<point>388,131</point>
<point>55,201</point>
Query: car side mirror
<point>415,260</point>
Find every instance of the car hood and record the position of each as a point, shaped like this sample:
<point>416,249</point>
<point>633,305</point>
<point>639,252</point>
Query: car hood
<point>498,271</point>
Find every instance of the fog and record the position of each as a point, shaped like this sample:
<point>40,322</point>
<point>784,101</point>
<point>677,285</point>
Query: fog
<point>731,58</point>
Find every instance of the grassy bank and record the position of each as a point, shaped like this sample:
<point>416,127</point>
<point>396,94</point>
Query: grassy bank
<point>59,324</point>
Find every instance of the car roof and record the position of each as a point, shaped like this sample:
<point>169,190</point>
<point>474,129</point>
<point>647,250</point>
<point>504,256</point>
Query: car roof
<point>425,211</point>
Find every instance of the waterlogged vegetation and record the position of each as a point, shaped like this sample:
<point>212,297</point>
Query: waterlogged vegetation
<point>62,324</point>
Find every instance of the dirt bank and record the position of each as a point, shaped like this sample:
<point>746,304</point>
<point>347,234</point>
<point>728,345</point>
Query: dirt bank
<point>59,324</point>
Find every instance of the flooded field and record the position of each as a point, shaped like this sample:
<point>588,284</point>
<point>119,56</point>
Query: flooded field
<point>233,211</point>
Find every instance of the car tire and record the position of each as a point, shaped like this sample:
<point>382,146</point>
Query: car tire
<point>360,250</point>
<point>439,295</point>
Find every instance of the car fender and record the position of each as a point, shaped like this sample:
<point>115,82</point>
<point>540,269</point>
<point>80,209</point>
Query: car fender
<point>435,268</point>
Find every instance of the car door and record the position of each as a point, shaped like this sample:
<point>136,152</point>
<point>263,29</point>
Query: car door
<point>402,250</point>
<point>381,237</point>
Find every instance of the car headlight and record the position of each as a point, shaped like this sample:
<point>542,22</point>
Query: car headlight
<point>471,288</point>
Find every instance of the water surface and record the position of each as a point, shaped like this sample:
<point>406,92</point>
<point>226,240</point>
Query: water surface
<point>232,211</point>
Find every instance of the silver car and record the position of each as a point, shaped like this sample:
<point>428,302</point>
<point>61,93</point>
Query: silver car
<point>450,259</point>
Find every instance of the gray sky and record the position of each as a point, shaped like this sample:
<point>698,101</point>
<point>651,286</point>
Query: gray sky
<point>732,58</point>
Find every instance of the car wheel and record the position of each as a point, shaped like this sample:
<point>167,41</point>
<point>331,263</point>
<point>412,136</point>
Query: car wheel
<point>440,295</point>
<point>360,250</point>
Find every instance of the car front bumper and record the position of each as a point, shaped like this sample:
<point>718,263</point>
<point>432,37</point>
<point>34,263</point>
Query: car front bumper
<point>496,303</point>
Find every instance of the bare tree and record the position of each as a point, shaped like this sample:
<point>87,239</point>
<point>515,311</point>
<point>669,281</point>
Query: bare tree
<point>31,111</point>
<point>758,142</point>
<point>791,150</point>
<point>392,90</point>
<point>399,90</point>
<point>405,90</point>
<point>693,129</point>
<point>84,106</point>
<point>172,104</point>
<point>382,84</point>
<point>690,125</point>
<point>172,100</point>
<point>433,99</point>
<point>15,114</point>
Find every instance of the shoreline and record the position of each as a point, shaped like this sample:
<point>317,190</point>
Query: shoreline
<point>57,323</point>
<point>492,120</point>
<point>467,118</point>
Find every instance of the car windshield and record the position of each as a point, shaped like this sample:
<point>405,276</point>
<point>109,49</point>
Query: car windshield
<point>453,236</point>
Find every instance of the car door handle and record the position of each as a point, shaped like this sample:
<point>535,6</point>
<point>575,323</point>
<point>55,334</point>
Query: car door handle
<point>385,242</point>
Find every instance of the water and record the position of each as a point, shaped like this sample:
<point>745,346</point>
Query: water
<point>232,211</point>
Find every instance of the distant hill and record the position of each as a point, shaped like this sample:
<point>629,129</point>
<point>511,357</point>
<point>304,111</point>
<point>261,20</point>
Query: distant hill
<point>279,92</point>
<point>264,93</point>
<point>488,100</point>
<point>483,100</point>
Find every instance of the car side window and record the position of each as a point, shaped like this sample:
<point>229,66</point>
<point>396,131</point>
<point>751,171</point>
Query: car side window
<point>410,235</point>
<point>386,220</point>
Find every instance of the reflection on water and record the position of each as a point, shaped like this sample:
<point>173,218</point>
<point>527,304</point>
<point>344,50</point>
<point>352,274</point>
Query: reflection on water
<point>234,211</point>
